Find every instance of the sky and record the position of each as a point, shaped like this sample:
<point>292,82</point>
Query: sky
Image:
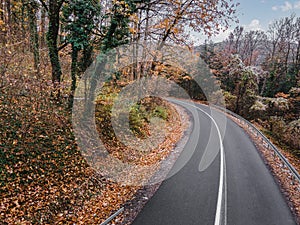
<point>258,14</point>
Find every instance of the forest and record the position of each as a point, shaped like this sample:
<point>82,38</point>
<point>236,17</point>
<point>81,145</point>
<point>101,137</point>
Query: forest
<point>259,74</point>
<point>45,49</point>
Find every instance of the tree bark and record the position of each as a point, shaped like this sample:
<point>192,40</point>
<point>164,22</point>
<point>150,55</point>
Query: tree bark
<point>34,37</point>
<point>43,28</point>
<point>73,74</point>
<point>8,8</point>
<point>52,35</point>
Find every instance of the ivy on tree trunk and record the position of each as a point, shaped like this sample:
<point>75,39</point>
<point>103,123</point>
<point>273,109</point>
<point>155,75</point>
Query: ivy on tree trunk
<point>53,8</point>
<point>74,57</point>
<point>53,49</point>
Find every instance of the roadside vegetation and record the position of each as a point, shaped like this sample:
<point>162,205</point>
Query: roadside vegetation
<point>140,116</point>
<point>259,74</point>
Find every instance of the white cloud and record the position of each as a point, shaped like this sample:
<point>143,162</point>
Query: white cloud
<point>254,25</point>
<point>199,39</point>
<point>222,36</point>
<point>297,5</point>
<point>287,6</point>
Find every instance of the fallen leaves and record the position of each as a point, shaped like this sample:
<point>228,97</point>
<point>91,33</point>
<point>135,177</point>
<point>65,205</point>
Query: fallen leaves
<point>45,179</point>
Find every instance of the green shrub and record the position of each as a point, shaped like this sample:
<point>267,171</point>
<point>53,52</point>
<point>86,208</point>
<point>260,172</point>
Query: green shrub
<point>161,112</point>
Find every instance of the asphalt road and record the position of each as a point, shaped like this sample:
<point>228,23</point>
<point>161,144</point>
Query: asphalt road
<point>221,179</point>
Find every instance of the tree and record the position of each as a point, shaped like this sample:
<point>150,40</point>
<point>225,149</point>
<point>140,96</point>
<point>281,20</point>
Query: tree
<point>295,68</point>
<point>32,8</point>
<point>252,42</point>
<point>8,8</point>
<point>246,44</point>
<point>43,28</point>
<point>54,8</point>
<point>114,35</point>
<point>80,19</point>
<point>234,40</point>
<point>117,33</point>
<point>238,81</point>
<point>282,60</point>
<point>169,22</point>
<point>2,24</point>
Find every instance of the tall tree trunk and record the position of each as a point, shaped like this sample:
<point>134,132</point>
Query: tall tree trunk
<point>43,28</point>
<point>263,88</point>
<point>52,36</point>
<point>8,8</point>
<point>146,34</point>
<point>297,61</point>
<point>2,16</point>
<point>73,74</point>
<point>286,61</point>
<point>86,60</point>
<point>23,19</point>
<point>135,51</point>
<point>100,66</point>
<point>34,37</point>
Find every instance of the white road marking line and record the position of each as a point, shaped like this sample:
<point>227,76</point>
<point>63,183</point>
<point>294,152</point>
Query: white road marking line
<point>221,181</point>
<point>225,186</point>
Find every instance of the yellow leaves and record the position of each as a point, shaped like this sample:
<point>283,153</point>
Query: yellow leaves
<point>164,24</point>
<point>9,169</point>
<point>63,34</point>
<point>122,7</point>
<point>17,5</point>
<point>132,30</point>
<point>64,189</point>
<point>2,25</point>
<point>159,67</point>
<point>118,2</point>
<point>186,78</point>
<point>15,142</point>
<point>175,30</point>
<point>169,25</point>
<point>134,18</point>
<point>282,95</point>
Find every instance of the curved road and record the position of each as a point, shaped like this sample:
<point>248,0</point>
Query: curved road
<point>234,188</point>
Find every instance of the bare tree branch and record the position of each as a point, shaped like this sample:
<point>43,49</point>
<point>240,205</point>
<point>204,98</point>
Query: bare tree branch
<point>44,5</point>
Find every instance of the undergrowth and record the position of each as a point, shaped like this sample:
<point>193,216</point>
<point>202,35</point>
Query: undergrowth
<point>44,179</point>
